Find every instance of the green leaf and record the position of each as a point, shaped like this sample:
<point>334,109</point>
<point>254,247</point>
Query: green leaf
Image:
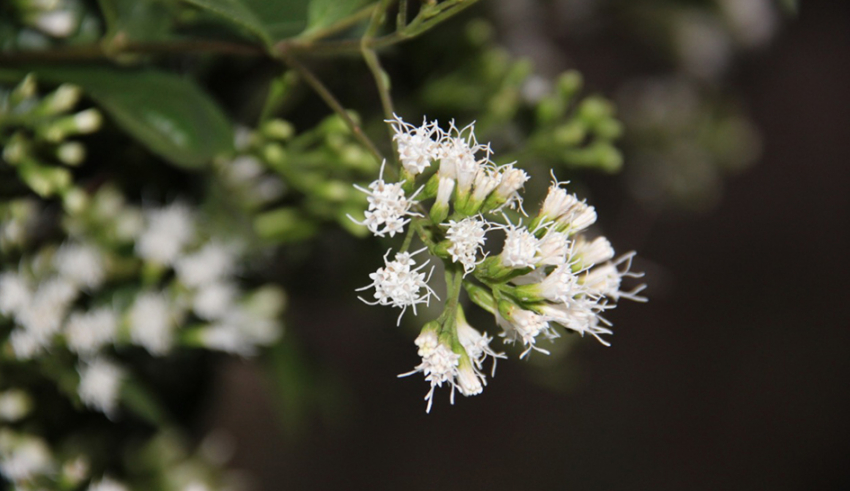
<point>237,12</point>
<point>140,20</point>
<point>282,18</point>
<point>269,20</point>
<point>170,115</point>
<point>323,13</point>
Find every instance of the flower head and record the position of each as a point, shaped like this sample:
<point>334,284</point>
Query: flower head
<point>168,231</point>
<point>604,280</point>
<point>387,207</point>
<point>520,325</point>
<point>214,261</point>
<point>152,323</point>
<point>476,344</point>
<point>398,284</point>
<point>520,249</point>
<point>15,293</point>
<point>466,238</point>
<point>87,332</point>
<point>439,364</point>
<point>100,383</point>
<point>570,214</point>
<point>81,265</point>
<point>417,146</point>
<point>23,457</point>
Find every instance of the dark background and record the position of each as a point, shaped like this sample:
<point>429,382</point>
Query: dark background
<point>734,376</point>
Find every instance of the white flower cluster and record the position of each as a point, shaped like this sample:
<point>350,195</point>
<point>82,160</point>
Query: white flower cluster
<point>387,207</point>
<point>548,273</point>
<point>399,284</point>
<point>64,297</point>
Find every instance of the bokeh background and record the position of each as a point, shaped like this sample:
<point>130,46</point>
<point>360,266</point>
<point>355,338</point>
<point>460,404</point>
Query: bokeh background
<point>734,376</point>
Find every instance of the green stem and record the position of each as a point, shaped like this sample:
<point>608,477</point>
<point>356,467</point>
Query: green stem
<point>424,235</point>
<point>454,283</point>
<point>408,238</point>
<point>374,64</point>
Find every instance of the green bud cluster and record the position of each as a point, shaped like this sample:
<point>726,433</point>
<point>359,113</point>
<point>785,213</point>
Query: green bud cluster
<point>34,134</point>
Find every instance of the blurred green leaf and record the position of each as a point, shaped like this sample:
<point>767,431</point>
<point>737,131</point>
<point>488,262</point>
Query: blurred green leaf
<point>239,13</point>
<point>141,20</point>
<point>140,401</point>
<point>170,115</point>
<point>269,20</point>
<point>323,13</point>
<point>282,18</point>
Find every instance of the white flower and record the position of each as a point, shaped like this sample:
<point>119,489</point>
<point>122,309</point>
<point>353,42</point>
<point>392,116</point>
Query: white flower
<point>439,365</point>
<point>467,238</point>
<point>581,315</point>
<point>554,247</point>
<point>26,344</point>
<point>470,380</point>
<point>416,145</point>
<point>387,207</point>
<point>214,300</point>
<point>100,385</point>
<point>14,405</point>
<point>240,332</point>
<point>79,264</point>
<point>596,251</point>
<point>476,344</point>
<point>567,210</point>
<point>398,285</point>
<point>244,168</point>
<point>152,323</point>
<point>520,248</point>
<point>107,484</point>
<point>524,326</point>
<point>15,294</point>
<point>512,181</point>
<point>58,23</point>
<point>213,262</point>
<point>486,181</point>
<point>561,285</point>
<point>44,314</point>
<point>22,458</point>
<point>168,231</point>
<point>87,332</point>
<point>604,280</point>
<point>457,156</point>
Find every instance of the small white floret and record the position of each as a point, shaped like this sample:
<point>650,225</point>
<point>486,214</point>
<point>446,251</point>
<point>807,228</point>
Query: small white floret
<point>87,332</point>
<point>100,385</point>
<point>152,323</point>
<point>399,284</point>
<point>168,232</point>
<point>467,238</point>
<point>81,265</point>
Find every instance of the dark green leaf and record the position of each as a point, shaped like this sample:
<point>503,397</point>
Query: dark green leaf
<point>269,20</point>
<point>140,20</point>
<point>282,18</point>
<point>239,13</point>
<point>168,114</point>
<point>323,13</point>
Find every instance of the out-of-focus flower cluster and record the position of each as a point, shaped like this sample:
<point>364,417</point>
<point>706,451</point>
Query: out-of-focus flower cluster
<point>549,272</point>
<point>93,289</point>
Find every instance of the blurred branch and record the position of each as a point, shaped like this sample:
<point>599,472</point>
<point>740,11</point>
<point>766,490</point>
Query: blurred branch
<point>374,64</point>
<point>331,101</point>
